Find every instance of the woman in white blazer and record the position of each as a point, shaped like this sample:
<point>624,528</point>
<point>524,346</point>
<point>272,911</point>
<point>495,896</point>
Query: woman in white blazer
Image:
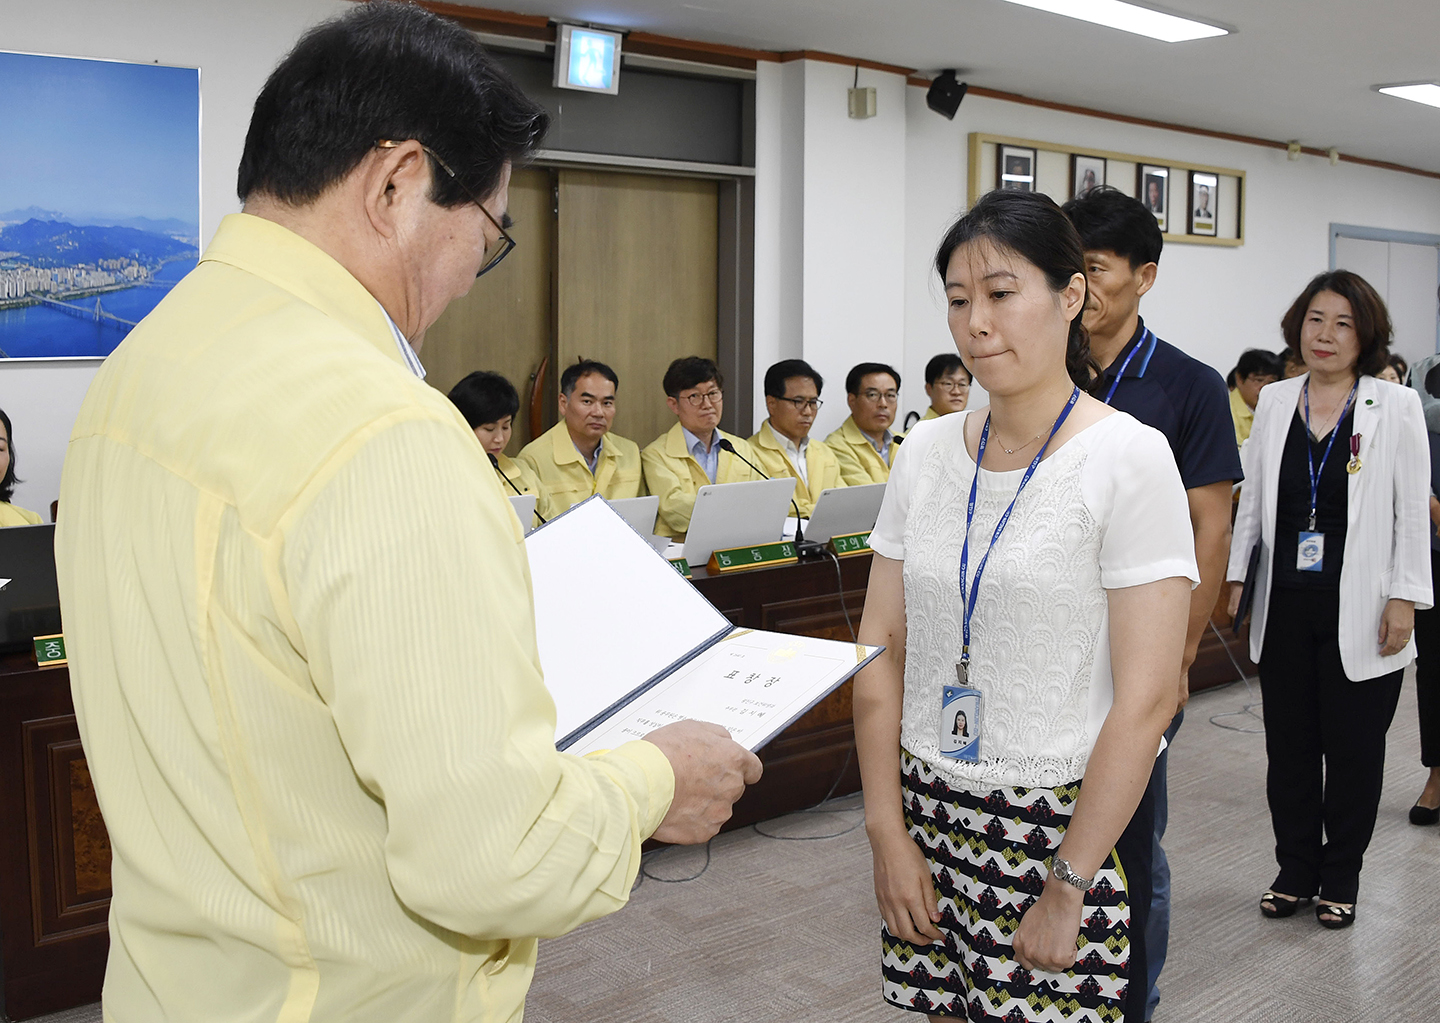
<point>1336,495</point>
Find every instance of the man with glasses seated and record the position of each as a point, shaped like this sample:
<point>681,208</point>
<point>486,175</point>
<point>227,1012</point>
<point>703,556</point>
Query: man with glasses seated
<point>782,444</point>
<point>947,385</point>
<point>864,445</point>
<point>688,456</point>
<point>579,456</point>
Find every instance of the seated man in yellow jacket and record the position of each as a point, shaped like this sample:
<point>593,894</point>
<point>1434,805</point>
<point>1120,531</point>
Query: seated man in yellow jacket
<point>864,445</point>
<point>947,385</point>
<point>688,456</point>
<point>783,446</point>
<point>579,456</point>
<point>489,402</point>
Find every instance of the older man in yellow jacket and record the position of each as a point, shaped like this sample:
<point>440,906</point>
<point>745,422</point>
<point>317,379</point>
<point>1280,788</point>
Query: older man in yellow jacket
<point>580,456</point>
<point>864,445</point>
<point>298,609</point>
<point>688,456</point>
<point>783,445</point>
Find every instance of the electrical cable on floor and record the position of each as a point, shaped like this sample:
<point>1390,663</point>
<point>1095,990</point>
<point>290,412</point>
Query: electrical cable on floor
<point>840,590</point>
<point>653,856</point>
<point>820,807</point>
<point>1247,710</point>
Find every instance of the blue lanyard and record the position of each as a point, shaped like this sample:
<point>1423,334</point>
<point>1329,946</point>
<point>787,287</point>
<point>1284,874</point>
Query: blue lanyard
<point>1126,365</point>
<point>1310,453</point>
<point>969,609</point>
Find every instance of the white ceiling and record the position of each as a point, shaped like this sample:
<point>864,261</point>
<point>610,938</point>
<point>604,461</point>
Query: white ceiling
<point>1296,69</point>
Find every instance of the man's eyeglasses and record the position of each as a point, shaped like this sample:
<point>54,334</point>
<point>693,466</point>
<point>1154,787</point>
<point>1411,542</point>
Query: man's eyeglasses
<point>709,397</point>
<point>496,250</point>
<point>952,385</point>
<point>875,397</point>
<point>801,404</point>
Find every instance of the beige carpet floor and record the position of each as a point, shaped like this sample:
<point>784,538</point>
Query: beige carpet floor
<point>777,930</point>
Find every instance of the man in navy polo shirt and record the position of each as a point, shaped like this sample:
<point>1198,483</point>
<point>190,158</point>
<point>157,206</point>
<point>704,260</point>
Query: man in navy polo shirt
<point>1185,400</point>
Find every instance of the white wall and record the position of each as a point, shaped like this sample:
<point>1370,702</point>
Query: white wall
<point>1211,301</point>
<point>235,45</point>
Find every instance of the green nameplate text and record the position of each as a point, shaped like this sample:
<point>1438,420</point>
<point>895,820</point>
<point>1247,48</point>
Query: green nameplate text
<point>49,650</point>
<point>852,543</point>
<point>681,565</point>
<point>736,558</point>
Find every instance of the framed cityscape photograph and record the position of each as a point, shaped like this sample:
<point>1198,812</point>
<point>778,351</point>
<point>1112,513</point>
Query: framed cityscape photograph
<point>1086,173</point>
<point>1203,198</point>
<point>1153,186</point>
<point>1015,168</point>
<point>102,215</point>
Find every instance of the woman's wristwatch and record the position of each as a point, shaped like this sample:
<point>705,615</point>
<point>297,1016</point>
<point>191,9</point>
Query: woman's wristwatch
<point>1060,871</point>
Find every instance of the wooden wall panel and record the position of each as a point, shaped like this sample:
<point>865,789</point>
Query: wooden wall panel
<point>637,277</point>
<point>505,323</point>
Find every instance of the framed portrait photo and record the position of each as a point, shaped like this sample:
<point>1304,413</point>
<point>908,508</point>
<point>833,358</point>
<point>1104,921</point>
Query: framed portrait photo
<point>1153,186</point>
<point>1015,168</point>
<point>1086,174</point>
<point>1203,197</point>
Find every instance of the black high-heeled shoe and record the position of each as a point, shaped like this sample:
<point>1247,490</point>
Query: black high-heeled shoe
<point>1275,906</point>
<point>1340,916</point>
<point>1423,816</point>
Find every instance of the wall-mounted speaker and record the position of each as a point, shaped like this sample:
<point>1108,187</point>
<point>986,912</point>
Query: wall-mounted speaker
<point>945,94</point>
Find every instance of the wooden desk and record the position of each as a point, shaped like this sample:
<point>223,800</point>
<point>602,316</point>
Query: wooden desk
<point>54,852</point>
<point>815,755</point>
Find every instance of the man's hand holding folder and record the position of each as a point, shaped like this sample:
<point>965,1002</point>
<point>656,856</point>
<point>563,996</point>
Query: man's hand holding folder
<point>711,772</point>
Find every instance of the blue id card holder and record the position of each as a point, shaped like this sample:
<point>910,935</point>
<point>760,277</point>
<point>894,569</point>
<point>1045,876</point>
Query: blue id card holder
<point>959,724</point>
<point>1310,552</point>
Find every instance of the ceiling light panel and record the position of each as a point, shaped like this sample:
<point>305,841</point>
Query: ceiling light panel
<point>1169,28</point>
<point>1419,92</point>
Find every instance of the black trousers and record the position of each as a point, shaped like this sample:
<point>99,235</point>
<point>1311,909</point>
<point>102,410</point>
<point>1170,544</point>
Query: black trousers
<point>1427,675</point>
<point>1325,737</point>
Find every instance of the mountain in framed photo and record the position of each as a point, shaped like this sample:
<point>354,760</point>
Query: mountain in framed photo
<point>101,217</point>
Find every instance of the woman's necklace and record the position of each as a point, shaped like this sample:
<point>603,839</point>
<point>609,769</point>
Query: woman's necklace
<point>1022,447</point>
<point>1336,410</point>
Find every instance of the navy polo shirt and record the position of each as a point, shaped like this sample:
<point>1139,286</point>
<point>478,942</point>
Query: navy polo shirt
<point>1181,397</point>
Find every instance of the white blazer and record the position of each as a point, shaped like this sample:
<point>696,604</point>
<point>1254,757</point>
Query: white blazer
<point>1387,538</point>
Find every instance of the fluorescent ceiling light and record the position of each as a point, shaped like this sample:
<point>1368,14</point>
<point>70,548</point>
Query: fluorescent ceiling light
<point>1420,92</point>
<point>1169,28</point>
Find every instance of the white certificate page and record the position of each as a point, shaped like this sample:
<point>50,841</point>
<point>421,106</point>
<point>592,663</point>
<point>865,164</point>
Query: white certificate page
<point>755,684</point>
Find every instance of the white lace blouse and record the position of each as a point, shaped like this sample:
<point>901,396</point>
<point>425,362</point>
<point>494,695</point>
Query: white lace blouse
<point>1105,511</point>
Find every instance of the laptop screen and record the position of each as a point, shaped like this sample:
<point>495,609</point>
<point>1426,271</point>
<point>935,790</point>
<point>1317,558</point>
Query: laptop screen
<point>30,601</point>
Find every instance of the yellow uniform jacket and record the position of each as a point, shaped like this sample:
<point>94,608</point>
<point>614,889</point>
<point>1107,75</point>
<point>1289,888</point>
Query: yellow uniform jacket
<point>821,467</point>
<point>675,477</point>
<point>564,478</point>
<point>14,515</point>
<point>302,650</point>
<point>859,462</point>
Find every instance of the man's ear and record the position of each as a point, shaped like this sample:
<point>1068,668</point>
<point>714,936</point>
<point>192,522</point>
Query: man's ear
<point>673,404</point>
<point>1147,278</point>
<point>394,178</point>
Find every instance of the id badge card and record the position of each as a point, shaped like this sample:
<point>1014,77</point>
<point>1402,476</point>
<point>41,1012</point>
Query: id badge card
<point>959,724</point>
<point>1310,552</point>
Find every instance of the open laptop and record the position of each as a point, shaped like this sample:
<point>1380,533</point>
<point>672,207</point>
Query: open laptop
<point>30,601</point>
<point>524,505</point>
<point>640,512</point>
<point>737,514</point>
<point>844,510</point>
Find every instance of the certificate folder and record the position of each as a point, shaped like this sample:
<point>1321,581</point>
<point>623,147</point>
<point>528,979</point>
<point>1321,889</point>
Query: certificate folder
<point>628,645</point>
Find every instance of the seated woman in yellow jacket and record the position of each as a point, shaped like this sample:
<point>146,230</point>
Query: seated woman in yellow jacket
<point>10,514</point>
<point>489,402</point>
<point>687,457</point>
<point>783,445</point>
<point>579,456</point>
<point>864,445</point>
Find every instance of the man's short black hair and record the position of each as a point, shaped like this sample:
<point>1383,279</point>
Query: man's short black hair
<point>583,368</point>
<point>1256,362</point>
<point>860,372</point>
<point>1108,220</point>
<point>386,70</point>
<point>7,483</point>
<point>485,397</point>
<point>789,369</point>
<point>691,371</point>
<point>943,365</point>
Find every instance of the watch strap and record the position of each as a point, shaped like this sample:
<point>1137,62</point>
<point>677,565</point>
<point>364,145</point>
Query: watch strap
<point>1062,871</point>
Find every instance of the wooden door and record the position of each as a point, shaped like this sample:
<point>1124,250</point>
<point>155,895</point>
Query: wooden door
<point>505,323</point>
<point>637,264</point>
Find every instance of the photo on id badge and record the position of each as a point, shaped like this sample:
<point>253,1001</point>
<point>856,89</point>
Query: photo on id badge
<point>960,724</point>
<point>1310,552</point>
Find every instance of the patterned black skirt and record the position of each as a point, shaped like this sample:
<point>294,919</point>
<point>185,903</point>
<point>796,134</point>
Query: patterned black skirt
<point>989,856</point>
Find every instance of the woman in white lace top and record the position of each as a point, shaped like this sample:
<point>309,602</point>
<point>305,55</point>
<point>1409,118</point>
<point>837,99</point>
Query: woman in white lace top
<point>1076,554</point>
